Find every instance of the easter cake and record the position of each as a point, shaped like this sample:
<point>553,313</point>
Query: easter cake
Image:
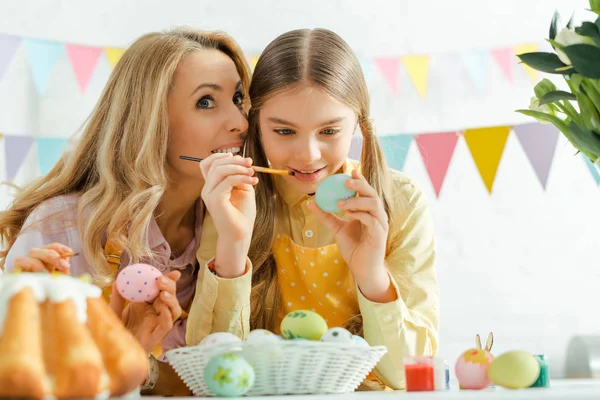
<point>59,338</point>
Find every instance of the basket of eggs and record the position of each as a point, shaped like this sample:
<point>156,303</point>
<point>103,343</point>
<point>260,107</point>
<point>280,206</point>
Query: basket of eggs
<point>308,358</point>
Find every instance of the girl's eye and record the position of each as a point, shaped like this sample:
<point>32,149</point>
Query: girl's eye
<point>238,99</point>
<point>206,102</point>
<point>284,132</point>
<point>330,131</point>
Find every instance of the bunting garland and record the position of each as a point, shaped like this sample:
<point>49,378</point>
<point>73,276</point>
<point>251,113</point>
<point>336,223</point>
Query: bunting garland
<point>44,54</point>
<point>436,150</point>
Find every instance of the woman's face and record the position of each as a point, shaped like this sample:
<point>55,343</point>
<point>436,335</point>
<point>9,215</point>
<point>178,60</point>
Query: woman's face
<point>307,131</point>
<point>206,110</point>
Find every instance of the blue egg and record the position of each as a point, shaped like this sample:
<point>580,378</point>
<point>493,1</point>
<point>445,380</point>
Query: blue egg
<point>228,375</point>
<point>331,190</point>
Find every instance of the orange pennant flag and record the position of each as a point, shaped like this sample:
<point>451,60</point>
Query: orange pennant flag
<point>113,55</point>
<point>486,146</point>
<point>528,48</point>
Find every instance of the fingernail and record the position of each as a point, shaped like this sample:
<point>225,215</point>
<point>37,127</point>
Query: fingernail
<point>308,203</point>
<point>167,295</point>
<point>63,263</point>
<point>66,249</point>
<point>164,280</point>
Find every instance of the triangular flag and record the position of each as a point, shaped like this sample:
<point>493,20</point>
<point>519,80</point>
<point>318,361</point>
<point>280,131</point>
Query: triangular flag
<point>8,48</point>
<point>84,60</point>
<point>42,55</point>
<point>49,151</point>
<point>486,146</point>
<point>366,65</point>
<point>355,147</point>
<point>253,60</point>
<point>538,142</point>
<point>395,149</point>
<point>477,63</point>
<point>113,55</point>
<point>389,67</point>
<point>528,48</point>
<point>593,169</point>
<point>505,59</point>
<point>418,70</point>
<point>437,150</point>
<point>15,148</point>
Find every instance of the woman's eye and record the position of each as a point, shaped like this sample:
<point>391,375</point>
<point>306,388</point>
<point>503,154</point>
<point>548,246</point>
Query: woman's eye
<point>284,132</point>
<point>238,99</point>
<point>206,103</point>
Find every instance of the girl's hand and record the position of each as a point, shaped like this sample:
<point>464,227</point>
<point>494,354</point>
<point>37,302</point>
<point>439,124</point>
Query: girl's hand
<point>46,258</point>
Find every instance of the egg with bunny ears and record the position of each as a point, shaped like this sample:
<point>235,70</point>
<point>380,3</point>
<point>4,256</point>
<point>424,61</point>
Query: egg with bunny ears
<point>471,368</point>
<point>338,335</point>
<point>218,338</point>
<point>262,336</point>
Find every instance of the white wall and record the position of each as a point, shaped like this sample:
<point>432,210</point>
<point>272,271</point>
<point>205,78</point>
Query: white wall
<point>521,262</point>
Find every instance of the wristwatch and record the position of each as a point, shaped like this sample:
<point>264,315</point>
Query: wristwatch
<point>152,373</point>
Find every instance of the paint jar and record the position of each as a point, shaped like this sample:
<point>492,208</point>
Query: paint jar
<point>419,373</point>
<point>543,379</point>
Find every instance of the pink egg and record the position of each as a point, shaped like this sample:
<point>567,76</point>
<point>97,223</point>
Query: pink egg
<point>138,283</point>
<point>471,369</point>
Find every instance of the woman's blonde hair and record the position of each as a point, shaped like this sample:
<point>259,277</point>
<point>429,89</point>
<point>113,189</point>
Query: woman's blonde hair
<point>119,164</point>
<point>322,59</point>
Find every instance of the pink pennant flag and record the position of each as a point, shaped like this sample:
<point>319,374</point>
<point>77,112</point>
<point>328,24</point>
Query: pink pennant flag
<point>505,59</point>
<point>389,67</point>
<point>437,150</point>
<point>84,60</point>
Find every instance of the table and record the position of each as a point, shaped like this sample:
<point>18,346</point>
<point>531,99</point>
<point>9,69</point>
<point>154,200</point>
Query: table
<point>566,389</point>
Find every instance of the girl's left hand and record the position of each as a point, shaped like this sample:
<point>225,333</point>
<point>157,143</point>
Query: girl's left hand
<point>361,239</point>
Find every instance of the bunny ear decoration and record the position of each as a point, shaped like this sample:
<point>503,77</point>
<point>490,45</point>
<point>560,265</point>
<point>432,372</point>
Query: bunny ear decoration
<point>478,342</point>
<point>490,342</point>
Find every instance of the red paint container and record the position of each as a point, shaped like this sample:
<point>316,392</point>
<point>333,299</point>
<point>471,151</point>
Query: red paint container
<point>419,373</point>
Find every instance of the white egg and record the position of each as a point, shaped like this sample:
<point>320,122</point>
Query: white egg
<point>259,336</point>
<point>337,335</point>
<point>220,338</point>
<point>359,340</point>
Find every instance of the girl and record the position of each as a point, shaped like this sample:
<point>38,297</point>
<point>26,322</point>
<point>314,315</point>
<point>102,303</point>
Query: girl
<point>124,196</point>
<point>369,267</point>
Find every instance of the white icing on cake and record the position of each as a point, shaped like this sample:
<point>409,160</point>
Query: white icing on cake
<point>55,288</point>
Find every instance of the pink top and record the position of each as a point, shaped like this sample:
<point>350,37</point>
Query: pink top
<point>55,220</point>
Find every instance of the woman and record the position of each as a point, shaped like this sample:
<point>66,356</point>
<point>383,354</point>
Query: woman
<point>123,195</point>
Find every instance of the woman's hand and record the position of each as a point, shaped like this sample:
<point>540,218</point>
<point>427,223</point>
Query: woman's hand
<point>229,197</point>
<point>49,258</point>
<point>150,323</point>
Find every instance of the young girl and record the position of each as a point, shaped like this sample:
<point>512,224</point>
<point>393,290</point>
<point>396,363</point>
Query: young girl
<point>369,267</point>
<point>124,196</point>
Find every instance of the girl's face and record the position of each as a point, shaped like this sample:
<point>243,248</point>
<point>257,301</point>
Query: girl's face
<point>206,110</point>
<point>307,131</point>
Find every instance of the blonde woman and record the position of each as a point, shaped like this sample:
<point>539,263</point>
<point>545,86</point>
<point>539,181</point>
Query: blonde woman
<point>370,267</point>
<point>124,196</point>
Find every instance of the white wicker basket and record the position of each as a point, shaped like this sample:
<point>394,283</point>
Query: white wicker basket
<point>286,367</point>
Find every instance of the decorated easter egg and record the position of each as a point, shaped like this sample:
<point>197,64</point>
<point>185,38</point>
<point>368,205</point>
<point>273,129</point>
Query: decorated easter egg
<point>359,340</point>
<point>303,324</point>
<point>331,190</point>
<point>514,370</point>
<point>138,283</point>
<point>261,336</point>
<point>338,335</point>
<point>228,375</point>
<point>220,338</point>
<point>471,369</point>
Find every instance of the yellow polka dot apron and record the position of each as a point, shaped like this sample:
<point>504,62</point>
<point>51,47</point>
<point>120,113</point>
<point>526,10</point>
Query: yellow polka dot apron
<point>316,279</point>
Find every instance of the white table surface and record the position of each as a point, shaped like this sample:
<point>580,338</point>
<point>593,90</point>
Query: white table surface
<point>561,389</point>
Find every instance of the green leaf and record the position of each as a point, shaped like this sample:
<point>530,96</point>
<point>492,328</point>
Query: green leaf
<point>590,30</point>
<point>557,95</point>
<point>585,59</point>
<point>545,62</point>
<point>585,140</point>
<point>559,123</point>
<point>595,6</point>
<point>592,93</point>
<point>554,25</point>
<point>597,22</point>
<point>571,21</point>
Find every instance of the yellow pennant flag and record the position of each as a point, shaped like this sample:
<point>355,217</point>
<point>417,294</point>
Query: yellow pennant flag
<point>486,146</point>
<point>113,55</point>
<point>253,61</point>
<point>418,70</point>
<point>528,48</point>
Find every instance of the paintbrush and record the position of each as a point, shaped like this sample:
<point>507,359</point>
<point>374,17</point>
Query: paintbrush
<point>264,170</point>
